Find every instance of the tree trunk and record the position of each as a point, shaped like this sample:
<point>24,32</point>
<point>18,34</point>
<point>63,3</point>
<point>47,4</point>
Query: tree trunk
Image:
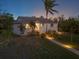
<point>46,19</point>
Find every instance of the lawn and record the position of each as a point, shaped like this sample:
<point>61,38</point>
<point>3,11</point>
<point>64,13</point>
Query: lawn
<point>33,47</point>
<point>66,38</point>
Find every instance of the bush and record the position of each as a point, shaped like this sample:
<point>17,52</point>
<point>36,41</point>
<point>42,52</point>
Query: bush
<point>43,35</point>
<point>52,33</point>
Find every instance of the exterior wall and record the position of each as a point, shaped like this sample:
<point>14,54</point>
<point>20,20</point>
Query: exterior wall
<point>16,29</point>
<point>39,27</point>
<point>49,27</point>
<point>27,29</point>
<point>42,28</point>
<point>54,27</point>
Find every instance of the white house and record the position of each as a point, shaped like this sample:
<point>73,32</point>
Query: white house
<point>41,24</point>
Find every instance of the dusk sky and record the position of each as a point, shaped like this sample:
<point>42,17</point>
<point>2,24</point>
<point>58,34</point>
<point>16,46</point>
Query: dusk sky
<point>36,7</point>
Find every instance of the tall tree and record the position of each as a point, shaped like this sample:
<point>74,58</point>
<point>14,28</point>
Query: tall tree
<point>6,21</point>
<point>6,25</point>
<point>49,7</point>
<point>70,25</point>
<point>32,25</point>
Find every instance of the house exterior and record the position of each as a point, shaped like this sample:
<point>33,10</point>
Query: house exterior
<point>41,24</point>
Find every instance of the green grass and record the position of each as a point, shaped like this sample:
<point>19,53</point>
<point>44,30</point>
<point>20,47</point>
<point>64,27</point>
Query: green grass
<point>33,48</point>
<point>5,37</point>
<point>67,38</point>
<point>49,50</point>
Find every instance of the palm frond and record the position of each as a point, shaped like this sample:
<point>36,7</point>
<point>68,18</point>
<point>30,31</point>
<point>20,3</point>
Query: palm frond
<point>54,10</point>
<point>51,12</point>
<point>49,6</point>
<point>53,5</point>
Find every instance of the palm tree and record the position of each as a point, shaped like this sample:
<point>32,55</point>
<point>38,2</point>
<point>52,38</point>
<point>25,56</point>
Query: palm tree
<point>49,7</point>
<point>32,25</point>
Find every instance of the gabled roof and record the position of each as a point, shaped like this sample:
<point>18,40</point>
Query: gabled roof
<point>22,19</point>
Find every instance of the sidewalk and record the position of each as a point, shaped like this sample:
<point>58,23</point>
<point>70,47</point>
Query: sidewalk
<point>66,47</point>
